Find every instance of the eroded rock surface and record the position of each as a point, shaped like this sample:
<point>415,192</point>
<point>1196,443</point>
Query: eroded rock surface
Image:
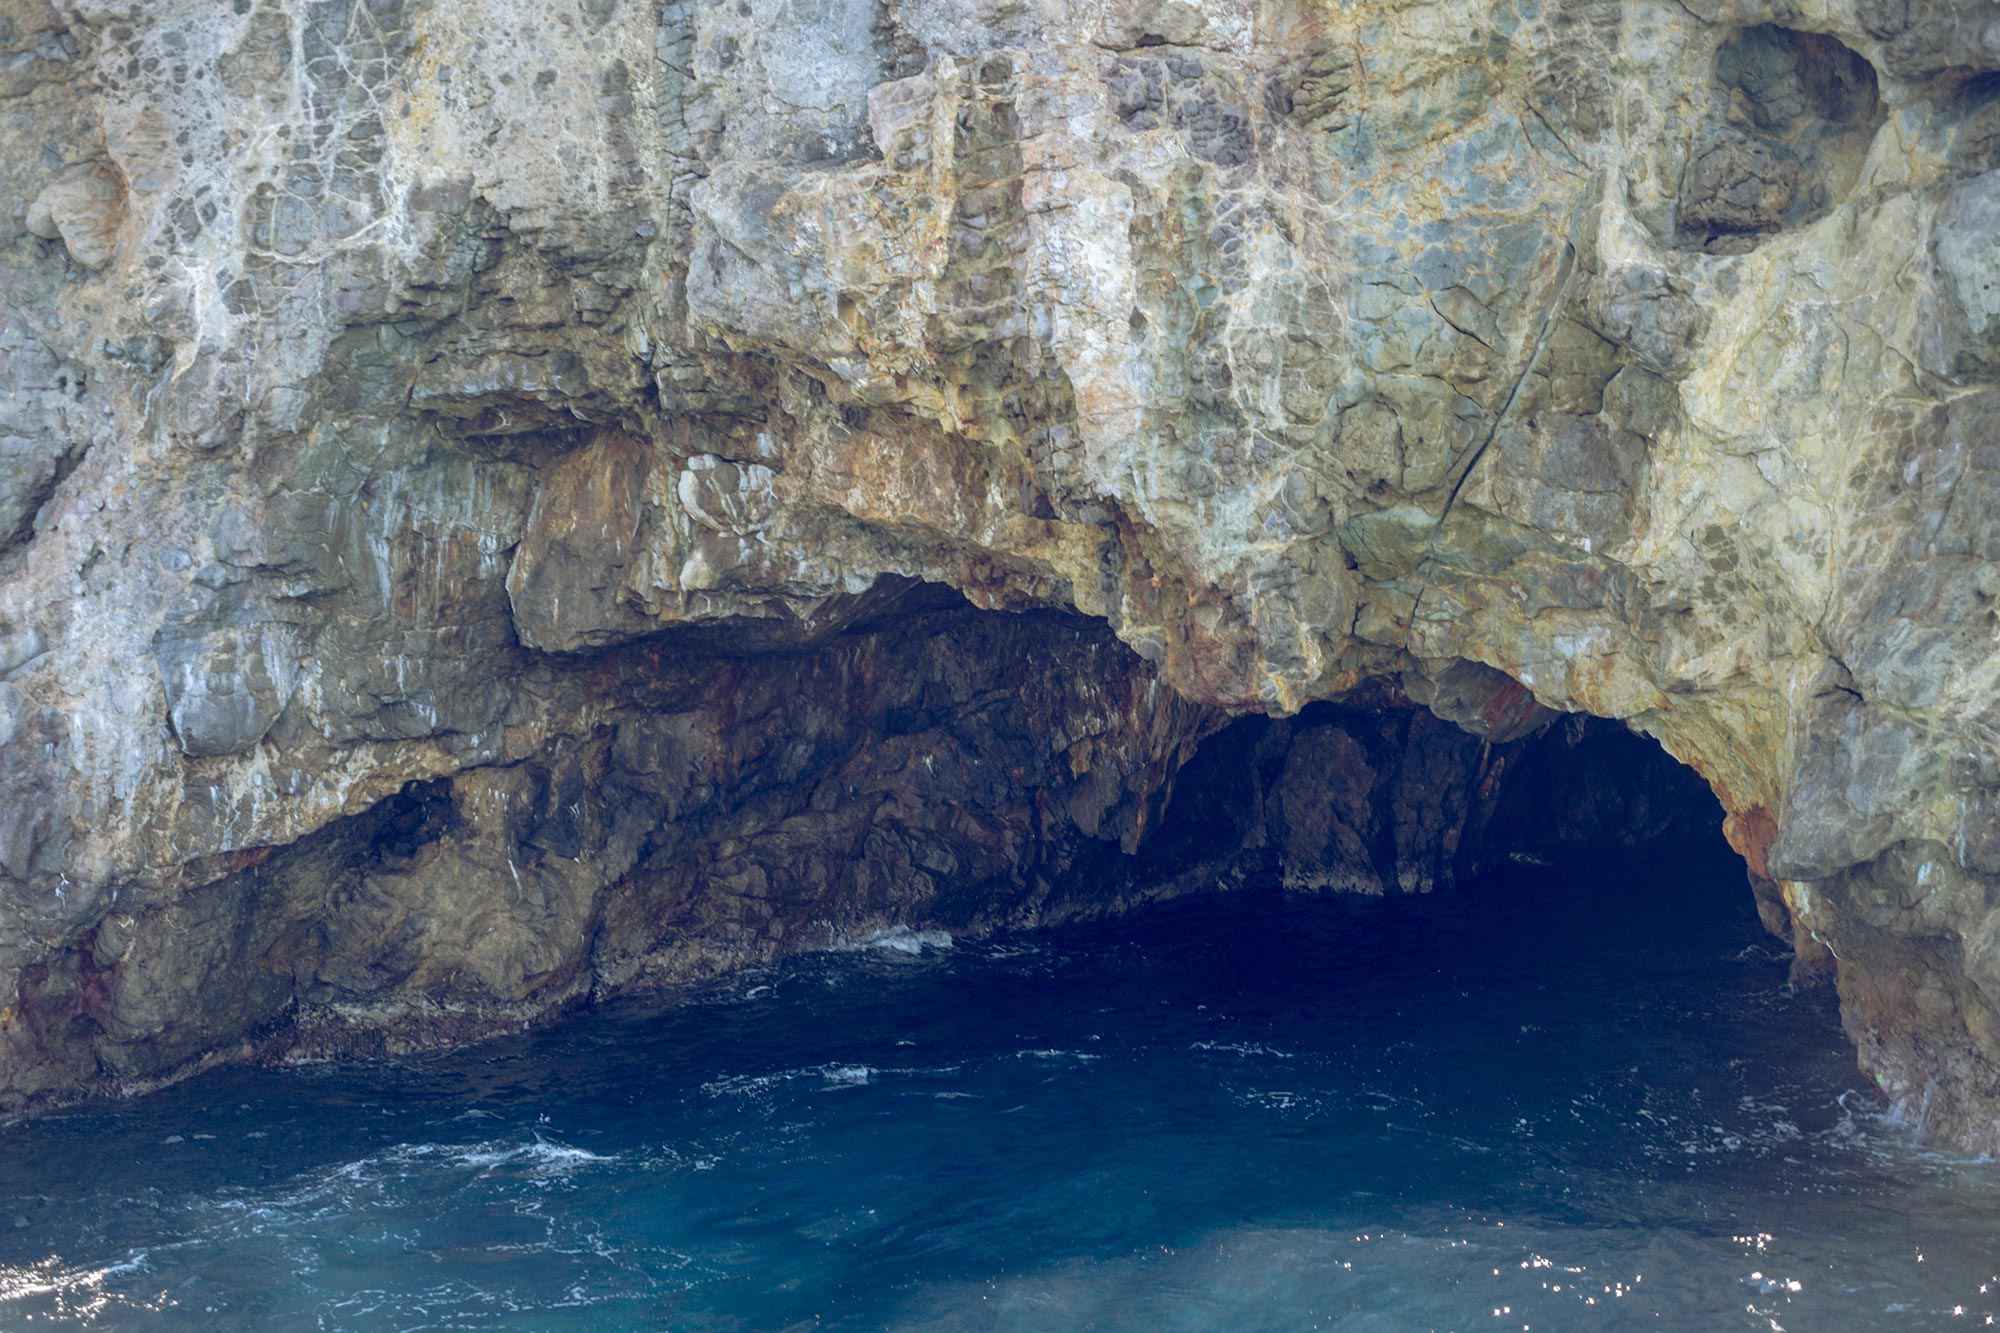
<point>412,407</point>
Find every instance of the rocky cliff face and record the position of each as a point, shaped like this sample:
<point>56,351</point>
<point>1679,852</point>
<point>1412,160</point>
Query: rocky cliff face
<point>479,480</point>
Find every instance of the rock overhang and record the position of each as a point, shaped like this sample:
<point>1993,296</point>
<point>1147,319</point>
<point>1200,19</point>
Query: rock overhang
<point>374,370</point>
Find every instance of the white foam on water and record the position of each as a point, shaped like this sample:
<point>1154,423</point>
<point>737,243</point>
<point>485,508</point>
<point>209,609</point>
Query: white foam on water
<point>744,1085</point>
<point>542,1157</point>
<point>338,1190</point>
<point>1245,1049</point>
<point>848,1075</point>
<point>752,1085</point>
<point>1278,1100</point>
<point>1000,953</point>
<point>896,939</point>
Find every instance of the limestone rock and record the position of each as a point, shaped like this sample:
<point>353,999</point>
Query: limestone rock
<point>512,447</point>
<point>83,208</point>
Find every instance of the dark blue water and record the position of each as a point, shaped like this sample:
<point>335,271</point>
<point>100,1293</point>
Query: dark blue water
<point>1577,1099</point>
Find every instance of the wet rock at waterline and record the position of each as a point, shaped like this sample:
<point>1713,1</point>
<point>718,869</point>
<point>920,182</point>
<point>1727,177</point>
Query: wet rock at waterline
<point>482,485</point>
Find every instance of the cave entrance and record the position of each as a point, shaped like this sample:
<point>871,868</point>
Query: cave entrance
<point>1380,800</point>
<point>1551,922</point>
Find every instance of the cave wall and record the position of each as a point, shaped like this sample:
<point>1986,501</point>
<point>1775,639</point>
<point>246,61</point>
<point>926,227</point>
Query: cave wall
<point>954,770</point>
<point>932,768</point>
<point>380,375</point>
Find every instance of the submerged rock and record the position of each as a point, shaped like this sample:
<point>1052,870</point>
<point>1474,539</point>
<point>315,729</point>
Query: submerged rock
<point>476,479</point>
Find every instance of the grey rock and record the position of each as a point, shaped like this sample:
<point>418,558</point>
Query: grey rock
<point>228,673</point>
<point>489,492</point>
<point>1968,260</point>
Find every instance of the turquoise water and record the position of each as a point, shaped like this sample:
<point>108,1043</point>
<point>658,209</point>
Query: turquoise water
<point>1558,1099</point>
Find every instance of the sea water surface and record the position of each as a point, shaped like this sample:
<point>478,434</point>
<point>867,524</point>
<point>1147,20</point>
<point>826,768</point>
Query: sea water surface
<point>1571,1098</point>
